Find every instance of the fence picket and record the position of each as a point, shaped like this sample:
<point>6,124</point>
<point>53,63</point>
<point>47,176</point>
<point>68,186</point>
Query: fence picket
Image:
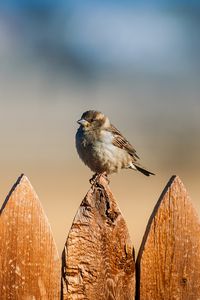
<point>98,257</point>
<point>168,264</point>
<point>29,262</point>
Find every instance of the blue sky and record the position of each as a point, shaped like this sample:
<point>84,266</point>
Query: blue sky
<point>104,2</point>
<point>140,36</point>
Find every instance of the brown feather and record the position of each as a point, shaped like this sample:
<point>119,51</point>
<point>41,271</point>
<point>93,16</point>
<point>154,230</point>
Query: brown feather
<point>120,141</point>
<point>143,171</point>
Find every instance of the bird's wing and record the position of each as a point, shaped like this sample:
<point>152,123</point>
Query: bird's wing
<point>120,142</point>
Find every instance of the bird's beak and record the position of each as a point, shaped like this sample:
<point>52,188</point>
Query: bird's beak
<point>82,122</point>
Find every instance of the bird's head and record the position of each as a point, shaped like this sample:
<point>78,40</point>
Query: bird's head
<point>93,120</point>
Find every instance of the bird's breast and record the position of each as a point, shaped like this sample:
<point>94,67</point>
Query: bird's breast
<point>99,153</point>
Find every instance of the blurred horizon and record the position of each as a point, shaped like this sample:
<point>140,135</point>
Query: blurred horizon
<point>136,61</point>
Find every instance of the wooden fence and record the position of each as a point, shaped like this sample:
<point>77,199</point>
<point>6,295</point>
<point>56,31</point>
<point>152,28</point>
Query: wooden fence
<point>98,259</point>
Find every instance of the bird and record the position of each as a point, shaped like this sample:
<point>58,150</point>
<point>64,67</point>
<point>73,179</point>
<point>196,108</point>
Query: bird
<point>103,148</point>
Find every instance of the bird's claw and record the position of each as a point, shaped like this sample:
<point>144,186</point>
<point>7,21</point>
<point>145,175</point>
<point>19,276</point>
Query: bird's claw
<point>95,178</point>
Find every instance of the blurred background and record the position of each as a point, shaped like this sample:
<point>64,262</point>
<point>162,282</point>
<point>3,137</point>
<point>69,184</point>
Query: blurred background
<point>136,61</point>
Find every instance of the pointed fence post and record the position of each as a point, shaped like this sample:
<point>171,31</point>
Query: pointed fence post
<point>29,261</point>
<point>168,264</point>
<point>98,258</point>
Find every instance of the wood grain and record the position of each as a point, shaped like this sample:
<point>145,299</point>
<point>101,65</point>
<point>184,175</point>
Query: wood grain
<point>29,262</point>
<point>98,259</point>
<point>168,264</point>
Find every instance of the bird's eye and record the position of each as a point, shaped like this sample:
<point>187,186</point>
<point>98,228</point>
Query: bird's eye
<point>91,120</point>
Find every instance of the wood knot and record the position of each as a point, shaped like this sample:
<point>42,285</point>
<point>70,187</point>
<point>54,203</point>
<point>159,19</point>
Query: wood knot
<point>184,281</point>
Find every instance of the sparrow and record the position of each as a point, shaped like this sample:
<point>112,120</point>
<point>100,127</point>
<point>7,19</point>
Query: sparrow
<point>103,148</point>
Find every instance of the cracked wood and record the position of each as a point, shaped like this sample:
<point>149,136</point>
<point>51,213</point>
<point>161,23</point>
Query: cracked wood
<point>98,256</point>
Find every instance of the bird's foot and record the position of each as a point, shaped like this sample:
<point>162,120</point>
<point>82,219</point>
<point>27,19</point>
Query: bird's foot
<point>105,176</point>
<point>95,178</point>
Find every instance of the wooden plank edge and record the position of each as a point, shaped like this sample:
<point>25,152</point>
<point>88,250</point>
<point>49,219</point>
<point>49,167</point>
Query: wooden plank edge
<point>10,192</point>
<point>139,256</point>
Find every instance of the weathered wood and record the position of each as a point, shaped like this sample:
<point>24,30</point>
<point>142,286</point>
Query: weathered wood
<point>168,264</point>
<point>98,258</point>
<point>29,262</point>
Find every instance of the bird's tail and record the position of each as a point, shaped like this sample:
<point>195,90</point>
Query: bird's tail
<point>143,171</point>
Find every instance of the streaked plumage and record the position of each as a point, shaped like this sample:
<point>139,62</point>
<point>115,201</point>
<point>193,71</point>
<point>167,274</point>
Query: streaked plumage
<point>103,148</point>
